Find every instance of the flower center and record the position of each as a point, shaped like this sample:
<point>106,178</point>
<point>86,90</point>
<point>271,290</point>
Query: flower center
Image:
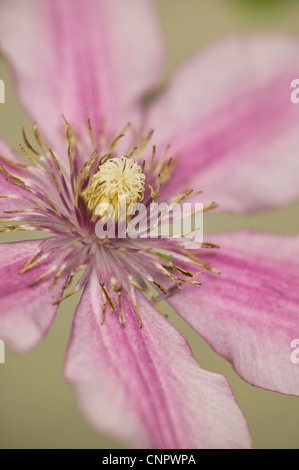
<point>118,184</point>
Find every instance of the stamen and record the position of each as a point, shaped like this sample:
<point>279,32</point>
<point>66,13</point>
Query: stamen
<point>66,296</point>
<point>39,139</point>
<point>30,158</point>
<point>11,175</point>
<point>161,288</point>
<point>110,301</point>
<point>12,163</point>
<point>57,276</point>
<point>39,278</point>
<point>118,183</point>
<point>131,153</point>
<point>104,308</point>
<point>171,276</point>
<point>84,172</point>
<point>150,166</point>
<point>70,154</point>
<point>121,315</point>
<point>212,205</point>
<point>70,133</point>
<point>104,158</point>
<point>198,262</point>
<point>91,133</point>
<point>69,281</point>
<point>55,161</point>
<point>162,160</point>
<point>18,211</point>
<point>209,245</point>
<point>29,144</point>
<point>183,196</point>
<point>29,264</point>
<point>182,271</point>
<point>158,305</point>
<point>117,139</point>
<point>155,194</point>
<point>136,308</point>
<point>52,205</point>
<point>135,284</point>
<point>144,144</point>
<point>23,186</point>
<point>15,228</point>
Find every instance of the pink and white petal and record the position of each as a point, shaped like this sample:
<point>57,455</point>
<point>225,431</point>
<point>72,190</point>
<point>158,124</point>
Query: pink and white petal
<point>250,312</point>
<point>82,59</point>
<point>7,152</point>
<point>26,312</point>
<point>228,114</point>
<point>143,385</point>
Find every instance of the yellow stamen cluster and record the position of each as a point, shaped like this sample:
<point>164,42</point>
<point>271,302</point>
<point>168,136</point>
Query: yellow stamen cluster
<point>118,184</point>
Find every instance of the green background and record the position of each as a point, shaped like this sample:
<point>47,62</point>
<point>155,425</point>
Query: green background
<point>37,408</point>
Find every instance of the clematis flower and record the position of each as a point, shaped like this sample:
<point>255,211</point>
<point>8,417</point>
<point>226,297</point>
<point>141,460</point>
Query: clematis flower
<point>233,134</point>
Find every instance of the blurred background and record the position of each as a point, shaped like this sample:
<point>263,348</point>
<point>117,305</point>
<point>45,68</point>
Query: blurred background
<point>37,408</point>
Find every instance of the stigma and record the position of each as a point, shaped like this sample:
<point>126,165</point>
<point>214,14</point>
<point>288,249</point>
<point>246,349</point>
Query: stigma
<point>118,184</point>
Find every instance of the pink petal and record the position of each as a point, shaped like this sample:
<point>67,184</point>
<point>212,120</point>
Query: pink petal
<point>143,385</point>
<point>228,114</point>
<point>250,312</point>
<point>82,59</point>
<point>8,153</point>
<point>26,312</point>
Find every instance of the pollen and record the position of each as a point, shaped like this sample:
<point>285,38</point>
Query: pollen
<point>115,189</point>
